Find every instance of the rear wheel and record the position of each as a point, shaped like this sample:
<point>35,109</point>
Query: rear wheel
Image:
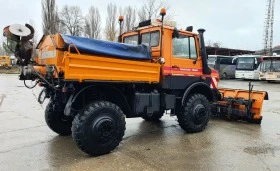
<point>56,121</point>
<point>194,115</point>
<point>98,128</point>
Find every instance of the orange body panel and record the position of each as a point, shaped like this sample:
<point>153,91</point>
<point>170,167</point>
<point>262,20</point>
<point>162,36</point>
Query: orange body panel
<point>89,67</point>
<point>83,67</point>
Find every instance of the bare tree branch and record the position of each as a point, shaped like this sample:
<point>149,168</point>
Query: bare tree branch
<point>111,22</point>
<point>71,20</point>
<point>49,17</point>
<point>210,43</point>
<point>93,23</point>
<point>150,9</point>
<point>129,18</point>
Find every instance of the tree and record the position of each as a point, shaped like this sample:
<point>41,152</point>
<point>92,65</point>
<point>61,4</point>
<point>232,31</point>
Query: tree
<point>71,20</point>
<point>111,22</point>
<point>150,9</point>
<point>93,23</point>
<point>214,44</point>
<point>50,17</point>
<point>129,18</point>
<point>9,46</point>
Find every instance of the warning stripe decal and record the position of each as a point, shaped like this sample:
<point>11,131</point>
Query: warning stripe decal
<point>214,82</point>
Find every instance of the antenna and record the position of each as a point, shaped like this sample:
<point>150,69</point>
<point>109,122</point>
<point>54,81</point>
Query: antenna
<point>268,28</point>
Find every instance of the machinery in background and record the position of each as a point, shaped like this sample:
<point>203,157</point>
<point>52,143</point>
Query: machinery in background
<point>248,67</point>
<point>270,68</point>
<point>225,65</point>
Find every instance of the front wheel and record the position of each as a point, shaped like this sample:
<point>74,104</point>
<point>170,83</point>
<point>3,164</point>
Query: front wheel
<point>98,128</point>
<point>194,115</point>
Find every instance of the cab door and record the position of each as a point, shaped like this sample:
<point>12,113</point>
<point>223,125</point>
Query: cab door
<point>185,65</point>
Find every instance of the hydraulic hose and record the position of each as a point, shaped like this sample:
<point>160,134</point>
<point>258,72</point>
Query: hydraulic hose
<point>46,81</point>
<point>30,87</point>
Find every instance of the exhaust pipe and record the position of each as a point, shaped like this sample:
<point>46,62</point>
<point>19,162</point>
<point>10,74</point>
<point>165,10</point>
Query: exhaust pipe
<point>203,54</point>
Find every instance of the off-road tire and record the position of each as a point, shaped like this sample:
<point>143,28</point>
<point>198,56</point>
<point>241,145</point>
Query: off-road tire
<point>154,117</point>
<point>98,128</point>
<point>194,115</point>
<point>56,122</point>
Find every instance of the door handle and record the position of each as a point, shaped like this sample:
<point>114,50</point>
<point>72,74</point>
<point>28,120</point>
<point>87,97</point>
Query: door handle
<point>175,66</point>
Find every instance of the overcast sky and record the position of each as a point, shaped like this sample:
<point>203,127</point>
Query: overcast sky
<point>234,23</point>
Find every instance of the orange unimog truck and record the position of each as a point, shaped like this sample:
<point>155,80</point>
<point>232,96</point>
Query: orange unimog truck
<point>93,84</point>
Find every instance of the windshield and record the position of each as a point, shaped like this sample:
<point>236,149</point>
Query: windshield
<point>270,66</point>
<point>246,63</point>
<point>184,47</point>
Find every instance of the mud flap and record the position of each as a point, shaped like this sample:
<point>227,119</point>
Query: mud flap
<point>240,104</point>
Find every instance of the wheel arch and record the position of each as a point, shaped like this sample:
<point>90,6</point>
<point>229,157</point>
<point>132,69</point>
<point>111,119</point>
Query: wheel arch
<point>102,92</point>
<point>201,88</point>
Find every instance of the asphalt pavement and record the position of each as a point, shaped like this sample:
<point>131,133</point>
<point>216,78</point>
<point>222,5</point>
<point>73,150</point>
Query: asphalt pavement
<point>28,144</point>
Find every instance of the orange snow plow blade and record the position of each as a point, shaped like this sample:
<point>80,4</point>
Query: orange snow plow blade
<point>240,104</point>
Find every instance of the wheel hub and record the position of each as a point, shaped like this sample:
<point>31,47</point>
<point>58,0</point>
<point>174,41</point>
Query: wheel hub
<point>103,129</point>
<point>199,114</point>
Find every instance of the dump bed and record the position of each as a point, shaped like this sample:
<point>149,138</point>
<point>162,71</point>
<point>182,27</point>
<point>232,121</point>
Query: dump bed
<point>84,59</point>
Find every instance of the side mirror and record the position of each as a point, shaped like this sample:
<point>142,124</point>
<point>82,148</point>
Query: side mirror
<point>189,28</point>
<point>175,33</point>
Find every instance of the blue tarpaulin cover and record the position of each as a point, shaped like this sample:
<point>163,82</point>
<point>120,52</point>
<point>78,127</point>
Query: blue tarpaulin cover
<point>114,49</point>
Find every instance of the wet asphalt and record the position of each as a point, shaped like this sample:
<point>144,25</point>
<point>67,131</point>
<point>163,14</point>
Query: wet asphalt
<point>28,144</point>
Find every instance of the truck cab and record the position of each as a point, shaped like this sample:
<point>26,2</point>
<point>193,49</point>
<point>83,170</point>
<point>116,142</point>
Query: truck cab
<point>181,52</point>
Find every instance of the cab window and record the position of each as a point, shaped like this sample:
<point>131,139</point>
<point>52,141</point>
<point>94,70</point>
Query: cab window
<point>184,47</point>
<point>132,40</point>
<point>150,39</point>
